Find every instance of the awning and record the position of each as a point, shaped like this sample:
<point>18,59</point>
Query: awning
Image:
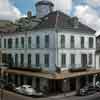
<point>56,76</point>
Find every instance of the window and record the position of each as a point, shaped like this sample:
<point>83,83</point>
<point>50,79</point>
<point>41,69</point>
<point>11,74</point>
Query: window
<point>29,42</point>
<point>37,58</point>
<point>22,59</point>
<point>46,60</point>
<point>72,42</point>
<point>5,43</point>
<point>99,61</point>
<point>16,59</point>
<point>90,42</point>
<point>29,59</point>
<point>10,43</point>
<point>82,42</point>
<point>22,42</point>
<point>0,43</point>
<point>37,42</point>
<point>16,43</point>
<point>90,59</point>
<point>47,41</point>
<point>63,60</point>
<point>72,60</point>
<point>62,41</point>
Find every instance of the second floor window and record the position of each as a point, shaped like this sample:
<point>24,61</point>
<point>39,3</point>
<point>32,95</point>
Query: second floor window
<point>10,43</point>
<point>16,43</point>
<point>63,60</point>
<point>5,43</point>
<point>16,59</point>
<point>72,41</point>
<point>22,59</point>
<point>46,60</point>
<point>37,42</point>
<point>82,42</point>
<point>47,41</point>
<point>72,60</point>
<point>37,60</point>
<point>90,42</point>
<point>22,42</point>
<point>90,59</point>
<point>62,41</point>
<point>29,59</point>
<point>29,42</point>
<point>0,43</point>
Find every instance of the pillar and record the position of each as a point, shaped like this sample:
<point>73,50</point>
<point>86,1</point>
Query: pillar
<point>68,85</point>
<point>94,80</point>
<point>77,85</point>
<point>7,77</point>
<point>13,78</point>
<point>33,82</point>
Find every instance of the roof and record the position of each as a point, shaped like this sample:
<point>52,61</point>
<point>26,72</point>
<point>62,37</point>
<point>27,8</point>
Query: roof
<point>62,21</point>
<point>44,3</point>
<point>7,26</point>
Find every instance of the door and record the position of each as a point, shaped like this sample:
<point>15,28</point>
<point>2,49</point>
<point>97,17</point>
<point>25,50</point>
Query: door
<point>84,60</point>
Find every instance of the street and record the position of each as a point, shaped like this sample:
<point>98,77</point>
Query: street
<point>13,96</point>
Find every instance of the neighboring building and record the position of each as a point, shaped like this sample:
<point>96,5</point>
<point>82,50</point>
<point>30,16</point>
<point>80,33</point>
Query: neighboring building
<point>58,41</point>
<point>98,52</point>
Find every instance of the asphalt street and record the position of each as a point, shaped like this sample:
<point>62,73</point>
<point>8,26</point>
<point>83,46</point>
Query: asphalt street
<point>13,96</point>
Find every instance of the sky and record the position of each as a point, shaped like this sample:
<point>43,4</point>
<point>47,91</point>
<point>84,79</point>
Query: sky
<point>88,11</point>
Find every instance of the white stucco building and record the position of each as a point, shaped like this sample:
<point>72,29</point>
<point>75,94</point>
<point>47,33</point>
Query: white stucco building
<point>58,41</point>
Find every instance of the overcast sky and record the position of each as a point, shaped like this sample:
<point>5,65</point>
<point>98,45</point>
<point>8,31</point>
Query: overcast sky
<point>88,11</point>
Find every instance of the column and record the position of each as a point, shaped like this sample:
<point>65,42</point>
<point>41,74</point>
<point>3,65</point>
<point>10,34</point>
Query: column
<point>7,77</point>
<point>33,82</point>
<point>94,80</point>
<point>68,85</point>
<point>13,78</point>
<point>77,85</point>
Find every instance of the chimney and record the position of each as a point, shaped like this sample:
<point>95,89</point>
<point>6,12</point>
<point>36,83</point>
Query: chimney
<point>29,13</point>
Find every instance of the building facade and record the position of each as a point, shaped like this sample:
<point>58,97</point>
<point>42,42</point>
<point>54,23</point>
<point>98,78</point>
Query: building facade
<point>58,41</point>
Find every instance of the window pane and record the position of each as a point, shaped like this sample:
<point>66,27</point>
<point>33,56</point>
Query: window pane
<point>29,59</point>
<point>46,60</point>
<point>5,44</point>
<point>22,59</point>
<point>90,42</point>
<point>0,43</point>
<point>62,41</point>
<point>47,41</point>
<point>37,58</point>
<point>16,59</point>
<point>63,60</point>
<point>73,60</point>
<point>37,42</point>
<point>90,59</point>
<point>72,42</point>
<point>82,42</point>
<point>29,42</point>
<point>22,42</point>
<point>10,43</point>
<point>16,43</point>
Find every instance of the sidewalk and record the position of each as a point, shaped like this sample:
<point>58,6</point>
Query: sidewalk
<point>64,95</point>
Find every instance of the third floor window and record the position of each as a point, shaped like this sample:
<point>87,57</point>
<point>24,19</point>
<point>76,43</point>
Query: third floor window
<point>47,41</point>
<point>16,43</point>
<point>90,42</point>
<point>62,41</point>
<point>72,41</point>
<point>10,43</point>
<point>82,42</point>
<point>37,42</point>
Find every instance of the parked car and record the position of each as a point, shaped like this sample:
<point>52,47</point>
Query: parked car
<point>10,86</point>
<point>28,90</point>
<point>88,90</point>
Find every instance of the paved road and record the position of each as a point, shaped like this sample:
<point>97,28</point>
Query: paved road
<point>14,96</point>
